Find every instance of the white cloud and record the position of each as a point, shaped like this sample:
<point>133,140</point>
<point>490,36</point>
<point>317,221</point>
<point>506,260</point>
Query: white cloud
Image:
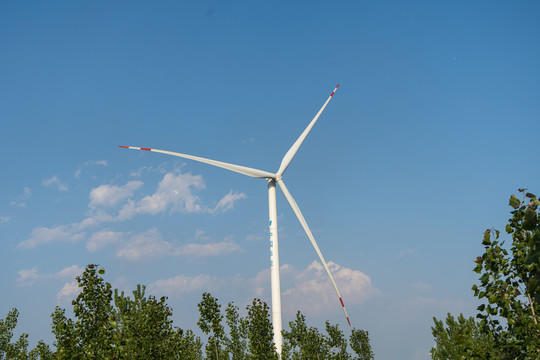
<point>28,277</point>
<point>212,249</point>
<point>4,219</point>
<point>201,235</point>
<point>43,235</point>
<point>422,286</point>
<point>228,201</point>
<point>90,163</point>
<point>174,194</point>
<point>109,195</point>
<point>21,200</point>
<point>70,272</point>
<point>68,292</point>
<point>405,252</point>
<point>148,244</point>
<point>313,292</point>
<point>151,245</point>
<point>55,183</point>
<point>180,284</point>
<point>253,237</point>
<point>101,239</point>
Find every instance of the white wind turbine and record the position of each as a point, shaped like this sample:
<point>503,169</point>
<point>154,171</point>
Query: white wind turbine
<point>274,252</point>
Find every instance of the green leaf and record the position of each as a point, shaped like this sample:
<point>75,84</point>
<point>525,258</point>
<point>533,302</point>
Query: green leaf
<point>532,284</point>
<point>487,236</point>
<point>530,219</point>
<point>514,202</point>
<point>102,271</point>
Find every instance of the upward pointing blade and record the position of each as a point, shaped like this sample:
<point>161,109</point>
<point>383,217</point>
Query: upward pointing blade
<point>237,168</point>
<point>292,151</point>
<point>300,217</point>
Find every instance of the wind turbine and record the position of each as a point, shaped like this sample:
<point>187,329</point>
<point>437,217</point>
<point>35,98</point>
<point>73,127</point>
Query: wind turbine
<point>274,250</point>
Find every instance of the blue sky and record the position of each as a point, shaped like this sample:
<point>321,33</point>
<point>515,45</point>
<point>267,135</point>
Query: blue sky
<point>433,127</point>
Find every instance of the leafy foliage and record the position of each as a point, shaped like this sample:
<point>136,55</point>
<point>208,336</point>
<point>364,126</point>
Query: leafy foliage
<point>509,282</point>
<point>302,342</point>
<point>461,339</point>
<point>210,322</point>
<point>110,325</point>
<point>138,328</point>
<point>260,332</point>
<point>236,343</point>
<point>360,345</point>
<point>509,286</point>
<point>19,349</point>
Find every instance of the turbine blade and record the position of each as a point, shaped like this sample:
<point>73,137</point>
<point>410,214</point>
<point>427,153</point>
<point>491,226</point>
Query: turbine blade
<point>300,217</point>
<point>237,168</point>
<point>292,151</point>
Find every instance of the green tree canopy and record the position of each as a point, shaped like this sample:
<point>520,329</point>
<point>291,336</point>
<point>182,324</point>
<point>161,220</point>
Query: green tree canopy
<point>108,324</point>
<point>509,288</point>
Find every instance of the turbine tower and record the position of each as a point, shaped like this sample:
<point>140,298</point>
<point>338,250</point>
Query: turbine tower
<point>274,250</point>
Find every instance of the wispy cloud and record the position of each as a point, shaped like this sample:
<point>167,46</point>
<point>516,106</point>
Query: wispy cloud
<point>20,201</point>
<point>175,193</point>
<point>313,292</point>
<point>227,202</point>
<point>110,195</point>
<point>116,203</point>
<point>55,183</point>
<point>150,244</point>
<point>178,285</point>
<point>405,252</point>
<point>422,286</point>
<point>90,163</point>
<point>253,237</point>
<point>212,249</point>
<point>101,239</point>
<point>4,219</point>
<point>146,245</point>
<point>44,235</point>
<point>28,277</point>
<point>69,291</point>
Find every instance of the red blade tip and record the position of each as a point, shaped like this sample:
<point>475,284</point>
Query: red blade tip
<point>122,146</point>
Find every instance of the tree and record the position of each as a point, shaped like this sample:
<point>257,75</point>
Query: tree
<point>260,332</point>
<point>302,342</point>
<point>6,333</point>
<point>337,343</point>
<point>509,287</point>
<point>210,322</point>
<point>143,326</point>
<point>360,344</point>
<point>461,339</point>
<point>92,335</point>
<point>19,349</point>
<point>237,341</point>
<point>138,328</point>
<point>187,346</point>
<point>509,282</point>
